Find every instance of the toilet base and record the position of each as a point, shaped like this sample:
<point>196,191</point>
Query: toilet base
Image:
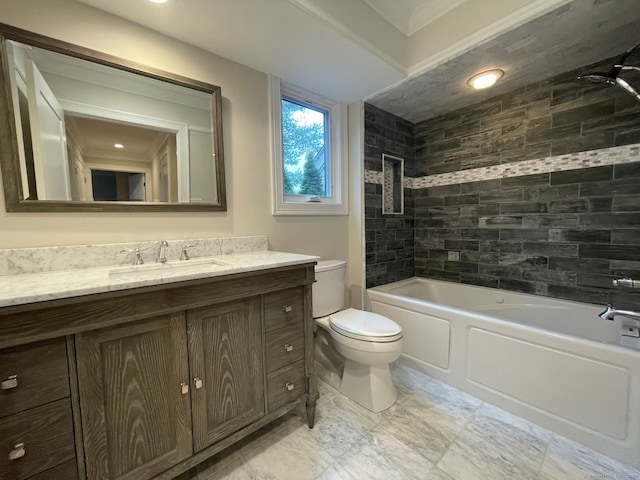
<point>368,385</point>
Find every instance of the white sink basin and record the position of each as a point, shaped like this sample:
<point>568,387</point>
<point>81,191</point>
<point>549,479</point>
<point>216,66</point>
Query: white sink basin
<point>174,267</point>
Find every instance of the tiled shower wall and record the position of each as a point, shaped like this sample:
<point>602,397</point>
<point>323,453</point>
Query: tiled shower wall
<point>492,219</point>
<point>389,238</point>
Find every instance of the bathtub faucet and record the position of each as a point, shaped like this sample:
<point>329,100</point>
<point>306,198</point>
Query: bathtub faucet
<point>625,282</point>
<point>611,312</point>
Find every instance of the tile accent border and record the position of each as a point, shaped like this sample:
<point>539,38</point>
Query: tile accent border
<point>374,176</point>
<point>558,163</point>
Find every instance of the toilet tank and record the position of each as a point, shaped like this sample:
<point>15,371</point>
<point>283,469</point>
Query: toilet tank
<point>329,288</point>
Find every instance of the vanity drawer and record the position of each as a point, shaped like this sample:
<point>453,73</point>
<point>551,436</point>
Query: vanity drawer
<point>285,385</point>
<point>46,435</point>
<point>285,346</point>
<point>282,309</point>
<point>32,375</point>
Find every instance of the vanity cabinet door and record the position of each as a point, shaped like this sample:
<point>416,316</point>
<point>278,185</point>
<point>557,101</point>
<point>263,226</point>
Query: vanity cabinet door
<point>134,398</point>
<point>227,369</point>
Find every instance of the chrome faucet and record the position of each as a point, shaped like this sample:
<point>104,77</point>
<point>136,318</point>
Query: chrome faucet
<point>611,312</point>
<point>185,255</point>
<point>137,258</point>
<point>161,258</point>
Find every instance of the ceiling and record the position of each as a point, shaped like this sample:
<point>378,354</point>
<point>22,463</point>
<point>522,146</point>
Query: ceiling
<point>409,16</point>
<point>579,33</point>
<point>97,138</point>
<point>409,57</point>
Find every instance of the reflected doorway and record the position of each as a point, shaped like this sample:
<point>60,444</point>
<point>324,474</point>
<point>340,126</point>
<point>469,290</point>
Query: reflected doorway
<point>112,186</point>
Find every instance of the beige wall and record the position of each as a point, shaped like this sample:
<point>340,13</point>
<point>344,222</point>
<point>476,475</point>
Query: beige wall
<point>246,139</point>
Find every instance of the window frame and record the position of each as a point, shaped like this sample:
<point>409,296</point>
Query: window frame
<point>287,204</point>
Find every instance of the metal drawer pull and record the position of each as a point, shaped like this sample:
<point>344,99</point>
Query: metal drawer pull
<point>288,348</point>
<point>289,386</point>
<point>198,383</point>
<point>184,388</point>
<point>9,383</point>
<point>287,308</point>
<point>17,452</point>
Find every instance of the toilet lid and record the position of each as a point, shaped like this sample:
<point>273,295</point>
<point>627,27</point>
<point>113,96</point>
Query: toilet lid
<point>367,326</point>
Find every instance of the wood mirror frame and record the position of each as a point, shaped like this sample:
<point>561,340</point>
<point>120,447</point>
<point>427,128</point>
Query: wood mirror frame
<point>9,153</point>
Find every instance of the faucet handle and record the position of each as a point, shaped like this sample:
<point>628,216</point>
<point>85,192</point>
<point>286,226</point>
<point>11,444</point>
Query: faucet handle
<point>184,255</point>
<point>625,282</point>
<point>137,259</point>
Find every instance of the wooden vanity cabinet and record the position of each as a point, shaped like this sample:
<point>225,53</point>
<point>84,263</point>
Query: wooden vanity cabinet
<point>149,382</point>
<point>284,325</point>
<point>136,419</point>
<point>226,361</point>
<point>36,418</point>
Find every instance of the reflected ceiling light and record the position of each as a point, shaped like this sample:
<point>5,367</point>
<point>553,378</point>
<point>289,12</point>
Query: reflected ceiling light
<point>158,1</point>
<point>485,79</point>
<point>118,145</point>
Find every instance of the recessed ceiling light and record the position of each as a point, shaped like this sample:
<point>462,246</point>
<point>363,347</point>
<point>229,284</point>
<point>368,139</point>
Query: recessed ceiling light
<point>118,145</point>
<point>485,79</point>
<point>158,1</point>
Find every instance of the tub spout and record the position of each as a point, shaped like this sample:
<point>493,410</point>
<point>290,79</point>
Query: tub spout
<point>611,312</point>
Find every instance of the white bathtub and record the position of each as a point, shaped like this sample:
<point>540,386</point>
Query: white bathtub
<point>554,362</point>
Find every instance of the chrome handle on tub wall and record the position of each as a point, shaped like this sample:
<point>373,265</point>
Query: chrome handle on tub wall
<point>17,452</point>
<point>625,282</point>
<point>10,383</point>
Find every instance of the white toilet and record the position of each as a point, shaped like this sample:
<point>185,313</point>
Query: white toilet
<point>353,348</point>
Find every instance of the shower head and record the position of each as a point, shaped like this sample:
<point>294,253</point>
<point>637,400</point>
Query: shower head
<point>624,84</point>
<point>612,76</point>
<point>599,77</point>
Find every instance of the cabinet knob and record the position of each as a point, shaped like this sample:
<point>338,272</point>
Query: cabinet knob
<point>9,383</point>
<point>198,383</point>
<point>184,388</point>
<point>288,348</point>
<point>289,386</point>
<point>17,452</point>
<point>287,308</point>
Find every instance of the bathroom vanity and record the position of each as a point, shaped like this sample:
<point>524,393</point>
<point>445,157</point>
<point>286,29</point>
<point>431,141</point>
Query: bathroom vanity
<point>145,375</point>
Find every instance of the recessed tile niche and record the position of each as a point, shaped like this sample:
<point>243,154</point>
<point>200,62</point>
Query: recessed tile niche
<point>392,185</point>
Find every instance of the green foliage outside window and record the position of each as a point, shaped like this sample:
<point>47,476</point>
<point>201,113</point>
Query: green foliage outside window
<point>312,179</point>
<point>303,136</point>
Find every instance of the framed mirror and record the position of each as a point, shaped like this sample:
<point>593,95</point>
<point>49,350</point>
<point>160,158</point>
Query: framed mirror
<point>85,131</point>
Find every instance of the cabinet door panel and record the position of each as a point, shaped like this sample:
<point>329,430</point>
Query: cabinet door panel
<point>135,418</point>
<point>225,353</point>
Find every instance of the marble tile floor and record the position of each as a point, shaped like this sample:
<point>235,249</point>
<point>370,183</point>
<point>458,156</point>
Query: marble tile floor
<point>433,432</point>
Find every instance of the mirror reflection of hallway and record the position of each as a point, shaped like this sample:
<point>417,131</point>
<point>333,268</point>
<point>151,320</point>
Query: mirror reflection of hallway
<point>166,130</point>
<point>110,186</point>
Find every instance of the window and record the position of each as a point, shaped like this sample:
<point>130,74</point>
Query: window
<point>309,171</point>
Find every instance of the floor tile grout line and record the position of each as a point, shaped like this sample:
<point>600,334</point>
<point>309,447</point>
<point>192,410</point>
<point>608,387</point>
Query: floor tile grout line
<point>544,457</point>
<point>464,426</point>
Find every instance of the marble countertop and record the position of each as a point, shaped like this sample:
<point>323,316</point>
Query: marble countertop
<point>36,287</point>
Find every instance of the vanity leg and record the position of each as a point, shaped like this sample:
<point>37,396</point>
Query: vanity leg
<point>311,414</point>
<point>312,397</point>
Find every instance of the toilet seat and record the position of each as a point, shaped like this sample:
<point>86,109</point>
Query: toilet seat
<point>365,326</point>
